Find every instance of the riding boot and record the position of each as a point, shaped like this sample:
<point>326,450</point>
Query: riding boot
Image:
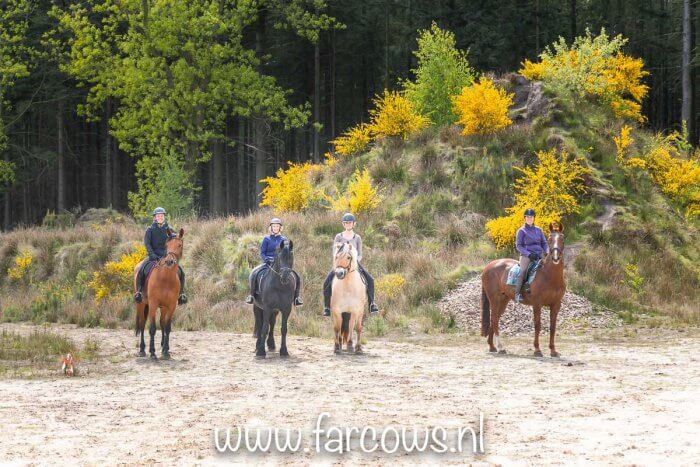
<point>327,290</point>
<point>369,280</point>
<point>524,264</point>
<point>297,290</point>
<point>182,299</point>
<point>138,296</point>
<point>252,279</point>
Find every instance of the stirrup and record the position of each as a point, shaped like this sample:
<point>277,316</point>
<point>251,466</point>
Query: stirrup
<point>373,310</point>
<point>182,299</point>
<point>138,297</point>
<point>518,298</point>
<point>249,299</point>
<point>326,312</point>
<point>298,301</point>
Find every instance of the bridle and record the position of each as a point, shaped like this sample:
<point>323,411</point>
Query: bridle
<point>281,271</point>
<point>162,261</point>
<point>557,249</point>
<point>348,269</point>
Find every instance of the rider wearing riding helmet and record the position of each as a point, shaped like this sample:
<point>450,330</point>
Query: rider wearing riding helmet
<point>268,249</point>
<point>532,245</point>
<point>157,235</point>
<point>349,236</point>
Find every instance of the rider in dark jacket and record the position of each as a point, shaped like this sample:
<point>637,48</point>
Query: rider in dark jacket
<point>268,248</point>
<point>156,236</point>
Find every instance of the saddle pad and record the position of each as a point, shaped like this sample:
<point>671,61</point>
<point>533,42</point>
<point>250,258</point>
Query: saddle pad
<point>515,272</point>
<point>147,270</point>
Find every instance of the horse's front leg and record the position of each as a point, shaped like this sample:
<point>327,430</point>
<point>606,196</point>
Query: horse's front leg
<point>537,315</point>
<point>265,328</point>
<point>283,347</point>
<point>271,334</point>
<point>351,328</point>
<point>493,325</point>
<point>358,346</point>
<point>336,330</point>
<point>166,319</point>
<point>257,312</point>
<point>553,312</point>
<point>143,312</point>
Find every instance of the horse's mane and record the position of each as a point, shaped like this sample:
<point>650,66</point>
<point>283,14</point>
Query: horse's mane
<point>345,247</point>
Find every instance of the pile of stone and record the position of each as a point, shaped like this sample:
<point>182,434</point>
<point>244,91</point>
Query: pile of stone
<point>576,314</point>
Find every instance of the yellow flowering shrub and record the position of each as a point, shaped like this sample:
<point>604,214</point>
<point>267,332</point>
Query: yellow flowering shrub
<point>116,277</point>
<point>594,66</point>
<point>395,115</point>
<point>482,108</point>
<point>362,195</point>
<point>550,188</point>
<point>622,143</point>
<point>330,160</point>
<point>677,177</point>
<point>291,189</point>
<point>23,262</point>
<point>390,285</point>
<point>353,140</point>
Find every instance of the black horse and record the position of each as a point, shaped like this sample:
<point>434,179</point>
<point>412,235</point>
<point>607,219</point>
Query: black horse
<point>276,295</point>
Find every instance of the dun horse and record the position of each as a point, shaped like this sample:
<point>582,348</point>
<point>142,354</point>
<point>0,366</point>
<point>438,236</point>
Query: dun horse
<point>546,290</point>
<point>160,292</point>
<point>348,299</point>
<point>276,295</point>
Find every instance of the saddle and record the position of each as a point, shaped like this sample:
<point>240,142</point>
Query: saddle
<point>147,270</point>
<point>531,273</point>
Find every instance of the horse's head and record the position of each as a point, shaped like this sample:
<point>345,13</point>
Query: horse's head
<point>345,257</point>
<point>284,260</point>
<point>556,241</point>
<point>174,247</point>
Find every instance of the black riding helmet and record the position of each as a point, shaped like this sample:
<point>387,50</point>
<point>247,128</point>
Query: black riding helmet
<point>530,212</point>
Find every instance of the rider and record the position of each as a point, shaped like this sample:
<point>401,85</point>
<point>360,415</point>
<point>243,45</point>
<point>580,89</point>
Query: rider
<point>267,252</point>
<point>156,235</point>
<point>531,244</point>
<point>349,236</point>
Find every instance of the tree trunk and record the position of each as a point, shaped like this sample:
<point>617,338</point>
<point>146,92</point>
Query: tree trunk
<point>61,198</point>
<point>686,82</point>
<point>573,19</point>
<point>217,189</point>
<point>240,166</point>
<point>317,102</point>
<point>106,146</point>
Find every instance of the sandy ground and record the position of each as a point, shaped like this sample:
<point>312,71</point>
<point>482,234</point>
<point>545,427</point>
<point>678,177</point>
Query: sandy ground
<point>622,400</point>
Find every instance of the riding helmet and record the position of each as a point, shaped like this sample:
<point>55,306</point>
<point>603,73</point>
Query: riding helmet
<point>530,212</point>
<point>158,211</point>
<point>276,220</point>
<point>348,217</point>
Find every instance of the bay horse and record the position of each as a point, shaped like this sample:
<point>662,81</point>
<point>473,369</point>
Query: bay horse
<point>348,298</point>
<point>161,291</point>
<point>276,296</point>
<point>546,290</point>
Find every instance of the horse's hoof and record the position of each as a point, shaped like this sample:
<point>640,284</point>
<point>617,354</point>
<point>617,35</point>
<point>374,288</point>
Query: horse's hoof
<point>337,351</point>
<point>554,354</point>
<point>142,354</point>
<point>284,354</point>
<point>493,350</point>
<point>358,352</point>
<point>260,356</point>
<point>165,356</point>
<point>538,353</point>
<point>153,357</point>
<point>502,352</point>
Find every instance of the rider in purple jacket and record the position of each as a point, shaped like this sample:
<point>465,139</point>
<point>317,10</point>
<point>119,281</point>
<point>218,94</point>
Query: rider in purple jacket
<point>532,245</point>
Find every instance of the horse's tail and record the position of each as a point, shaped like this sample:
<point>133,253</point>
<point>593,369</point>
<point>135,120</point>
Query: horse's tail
<point>345,328</point>
<point>485,313</point>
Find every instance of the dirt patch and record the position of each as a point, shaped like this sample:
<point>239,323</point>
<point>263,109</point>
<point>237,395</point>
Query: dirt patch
<point>615,401</point>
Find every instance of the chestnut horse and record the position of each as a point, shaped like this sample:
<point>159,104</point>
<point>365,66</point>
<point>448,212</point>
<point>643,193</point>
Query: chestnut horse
<point>546,290</point>
<point>348,299</point>
<point>160,292</point>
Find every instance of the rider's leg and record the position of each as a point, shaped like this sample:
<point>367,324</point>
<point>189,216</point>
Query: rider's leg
<point>252,280</point>
<point>524,263</point>
<point>182,299</point>
<point>369,281</point>
<point>327,289</point>
<point>297,299</point>
<point>140,276</point>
